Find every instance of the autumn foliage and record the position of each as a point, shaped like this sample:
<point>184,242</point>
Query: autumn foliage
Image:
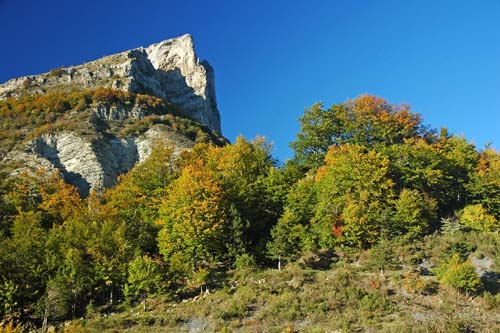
<point>364,171</point>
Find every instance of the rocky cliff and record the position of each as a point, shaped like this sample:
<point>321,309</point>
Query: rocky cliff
<point>169,70</point>
<point>93,122</point>
<point>92,164</point>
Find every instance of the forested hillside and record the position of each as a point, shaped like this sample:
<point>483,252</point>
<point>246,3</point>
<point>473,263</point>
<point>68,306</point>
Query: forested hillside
<point>377,222</point>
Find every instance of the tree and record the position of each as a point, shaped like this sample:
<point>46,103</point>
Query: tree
<point>319,129</point>
<point>253,186</point>
<point>22,263</point>
<point>367,120</point>
<point>59,200</point>
<point>56,302</point>
<point>288,236</point>
<point>484,186</point>
<point>354,191</point>
<point>193,219</point>
<point>291,236</point>
<point>145,278</point>
<point>440,169</point>
<point>371,121</point>
<point>110,252</point>
<point>43,192</point>
<point>137,197</point>
<point>413,214</point>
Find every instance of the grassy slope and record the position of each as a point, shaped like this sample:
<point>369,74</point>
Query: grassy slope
<point>342,292</point>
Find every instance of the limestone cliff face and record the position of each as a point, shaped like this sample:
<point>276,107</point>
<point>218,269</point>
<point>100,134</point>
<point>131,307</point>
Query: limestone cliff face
<point>93,164</point>
<point>170,70</point>
<point>107,139</point>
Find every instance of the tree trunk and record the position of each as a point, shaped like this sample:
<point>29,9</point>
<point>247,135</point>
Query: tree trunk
<point>45,318</point>
<point>74,306</point>
<point>279,262</point>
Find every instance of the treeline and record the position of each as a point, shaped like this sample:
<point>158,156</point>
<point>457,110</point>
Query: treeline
<point>364,171</point>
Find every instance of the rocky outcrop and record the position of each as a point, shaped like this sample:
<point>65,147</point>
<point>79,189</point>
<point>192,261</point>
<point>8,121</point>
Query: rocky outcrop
<point>170,70</point>
<point>93,164</point>
<point>93,144</point>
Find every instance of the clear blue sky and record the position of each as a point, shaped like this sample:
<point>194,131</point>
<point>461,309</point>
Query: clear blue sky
<point>274,58</point>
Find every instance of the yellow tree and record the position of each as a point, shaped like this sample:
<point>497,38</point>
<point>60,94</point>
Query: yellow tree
<point>192,218</point>
<point>354,191</point>
<point>484,187</point>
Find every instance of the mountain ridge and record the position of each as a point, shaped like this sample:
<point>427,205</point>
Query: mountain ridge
<point>169,69</point>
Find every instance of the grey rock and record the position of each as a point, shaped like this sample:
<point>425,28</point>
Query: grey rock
<point>170,70</point>
<point>93,164</point>
<point>481,265</point>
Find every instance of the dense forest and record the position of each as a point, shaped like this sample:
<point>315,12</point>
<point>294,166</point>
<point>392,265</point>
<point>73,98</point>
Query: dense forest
<point>367,178</point>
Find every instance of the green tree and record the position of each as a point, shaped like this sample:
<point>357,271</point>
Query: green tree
<point>319,129</point>
<point>56,303</point>
<point>137,197</point>
<point>145,278</point>
<point>22,263</point>
<point>413,214</point>
<point>288,236</point>
<point>440,170</point>
<point>110,252</point>
<point>254,187</point>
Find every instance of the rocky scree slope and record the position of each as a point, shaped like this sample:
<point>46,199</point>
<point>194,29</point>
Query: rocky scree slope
<point>93,122</point>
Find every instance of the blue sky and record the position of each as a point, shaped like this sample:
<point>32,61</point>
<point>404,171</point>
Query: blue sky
<point>274,58</point>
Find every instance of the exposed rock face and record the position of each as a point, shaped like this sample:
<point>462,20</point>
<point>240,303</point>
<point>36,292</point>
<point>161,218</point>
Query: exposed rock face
<point>94,164</point>
<point>103,140</point>
<point>169,70</point>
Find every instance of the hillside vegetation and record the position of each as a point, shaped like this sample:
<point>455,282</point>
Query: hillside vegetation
<point>30,116</point>
<point>378,223</point>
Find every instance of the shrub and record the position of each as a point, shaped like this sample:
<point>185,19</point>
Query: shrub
<point>245,262</point>
<point>458,274</point>
<point>238,306</point>
<point>413,283</point>
<point>491,301</point>
<point>286,306</point>
<point>373,303</point>
<point>476,217</point>
<point>450,225</point>
<point>382,257</point>
<point>27,83</point>
<point>75,328</point>
<point>57,71</point>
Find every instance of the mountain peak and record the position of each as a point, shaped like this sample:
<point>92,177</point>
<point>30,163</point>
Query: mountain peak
<point>169,69</point>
